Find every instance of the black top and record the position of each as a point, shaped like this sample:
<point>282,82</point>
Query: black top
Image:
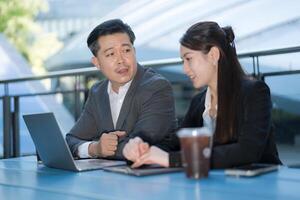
<point>254,140</point>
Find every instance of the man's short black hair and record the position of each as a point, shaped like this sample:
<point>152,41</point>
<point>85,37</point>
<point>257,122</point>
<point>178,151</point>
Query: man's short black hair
<point>107,28</point>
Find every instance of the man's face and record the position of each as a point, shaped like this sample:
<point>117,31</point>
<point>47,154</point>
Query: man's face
<point>116,59</point>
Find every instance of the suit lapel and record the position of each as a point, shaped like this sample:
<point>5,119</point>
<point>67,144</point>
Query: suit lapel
<point>105,109</point>
<point>129,97</point>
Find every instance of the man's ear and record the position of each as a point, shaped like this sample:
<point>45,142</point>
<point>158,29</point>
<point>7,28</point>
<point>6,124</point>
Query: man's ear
<point>96,62</point>
<point>214,55</point>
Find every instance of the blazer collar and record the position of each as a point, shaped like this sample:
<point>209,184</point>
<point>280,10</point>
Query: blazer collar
<point>105,108</point>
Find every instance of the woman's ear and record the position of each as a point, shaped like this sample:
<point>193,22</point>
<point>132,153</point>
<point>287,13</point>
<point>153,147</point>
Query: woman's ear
<point>214,55</point>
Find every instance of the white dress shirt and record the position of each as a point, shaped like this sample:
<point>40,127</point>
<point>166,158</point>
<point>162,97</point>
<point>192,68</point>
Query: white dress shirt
<point>209,121</point>
<point>116,102</point>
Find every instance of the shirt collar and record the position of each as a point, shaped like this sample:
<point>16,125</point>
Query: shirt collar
<point>123,89</point>
<point>208,99</point>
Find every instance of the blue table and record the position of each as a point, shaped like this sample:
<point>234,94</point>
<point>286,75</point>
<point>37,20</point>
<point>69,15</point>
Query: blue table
<point>22,178</point>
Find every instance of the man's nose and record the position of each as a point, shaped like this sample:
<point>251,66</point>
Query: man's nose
<point>120,57</point>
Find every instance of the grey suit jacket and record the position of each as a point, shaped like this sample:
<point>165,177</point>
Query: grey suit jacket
<point>148,111</point>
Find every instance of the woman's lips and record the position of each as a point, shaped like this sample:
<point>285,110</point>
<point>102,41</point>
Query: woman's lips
<point>192,77</point>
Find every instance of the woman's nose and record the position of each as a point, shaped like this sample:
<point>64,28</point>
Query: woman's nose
<point>186,69</point>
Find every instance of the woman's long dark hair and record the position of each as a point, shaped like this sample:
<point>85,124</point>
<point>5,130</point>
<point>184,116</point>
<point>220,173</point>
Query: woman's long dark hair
<point>202,36</point>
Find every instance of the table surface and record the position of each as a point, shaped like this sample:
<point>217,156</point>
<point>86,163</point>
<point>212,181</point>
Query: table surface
<point>23,178</point>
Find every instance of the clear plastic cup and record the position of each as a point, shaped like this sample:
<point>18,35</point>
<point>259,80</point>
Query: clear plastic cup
<point>196,147</point>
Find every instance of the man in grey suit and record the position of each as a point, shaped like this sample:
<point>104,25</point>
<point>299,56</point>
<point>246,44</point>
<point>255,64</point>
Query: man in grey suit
<point>132,102</point>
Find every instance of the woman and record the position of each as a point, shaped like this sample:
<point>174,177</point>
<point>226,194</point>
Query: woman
<point>238,107</point>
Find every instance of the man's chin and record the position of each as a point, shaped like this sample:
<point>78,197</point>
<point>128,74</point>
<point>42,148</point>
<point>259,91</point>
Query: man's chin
<point>125,79</point>
<point>123,82</point>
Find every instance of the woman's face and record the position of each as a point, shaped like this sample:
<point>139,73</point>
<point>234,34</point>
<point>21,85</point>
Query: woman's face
<point>199,67</point>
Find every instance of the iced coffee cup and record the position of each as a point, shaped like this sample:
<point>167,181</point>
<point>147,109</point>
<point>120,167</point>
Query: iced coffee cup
<point>196,144</point>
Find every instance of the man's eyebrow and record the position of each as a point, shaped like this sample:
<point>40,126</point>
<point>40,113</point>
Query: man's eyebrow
<point>127,44</point>
<point>108,49</point>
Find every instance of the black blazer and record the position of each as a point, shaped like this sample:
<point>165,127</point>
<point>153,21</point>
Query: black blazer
<point>254,140</point>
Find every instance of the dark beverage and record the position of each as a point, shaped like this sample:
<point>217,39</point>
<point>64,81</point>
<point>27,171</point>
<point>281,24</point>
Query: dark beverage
<point>196,150</point>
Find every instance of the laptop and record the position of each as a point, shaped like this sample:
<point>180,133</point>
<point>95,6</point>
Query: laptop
<point>53,149</point>
<point>142,171</point>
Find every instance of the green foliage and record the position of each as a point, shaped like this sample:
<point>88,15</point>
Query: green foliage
<point>18,25</point>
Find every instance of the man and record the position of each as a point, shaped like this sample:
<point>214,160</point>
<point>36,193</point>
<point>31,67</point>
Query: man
<point>133,101</point>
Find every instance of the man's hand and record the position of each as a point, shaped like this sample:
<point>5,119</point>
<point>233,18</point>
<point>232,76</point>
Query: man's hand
<point>135,148</point>
<point>107,144</point>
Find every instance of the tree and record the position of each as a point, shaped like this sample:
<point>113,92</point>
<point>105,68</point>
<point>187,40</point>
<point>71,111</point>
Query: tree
<point>18,25</point>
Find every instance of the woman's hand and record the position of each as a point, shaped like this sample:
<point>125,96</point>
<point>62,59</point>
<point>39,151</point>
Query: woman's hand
<point>153,156</point>
<point>135,148</point>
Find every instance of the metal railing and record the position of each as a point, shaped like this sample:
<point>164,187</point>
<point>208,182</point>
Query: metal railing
<point>11,135</point>
<point>255,60</point>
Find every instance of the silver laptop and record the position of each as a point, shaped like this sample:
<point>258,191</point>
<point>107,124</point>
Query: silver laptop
<point>53,149</point>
